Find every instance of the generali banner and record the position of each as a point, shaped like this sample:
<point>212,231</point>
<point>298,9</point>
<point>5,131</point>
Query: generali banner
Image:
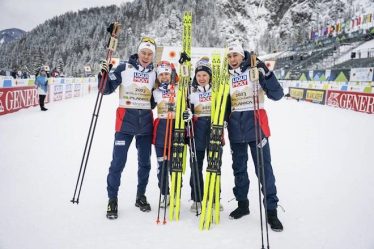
<point>360,102</point>
<point>13,99</point>
<point>16,98</point>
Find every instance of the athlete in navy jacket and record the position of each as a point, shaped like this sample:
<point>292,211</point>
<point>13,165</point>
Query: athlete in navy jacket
<point>134,118</point>
<point>241,129</point>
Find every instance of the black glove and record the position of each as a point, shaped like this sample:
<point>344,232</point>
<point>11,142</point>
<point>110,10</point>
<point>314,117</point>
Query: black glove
<point>187,115</point>
<point>263,69</point>
<point>246,63</point>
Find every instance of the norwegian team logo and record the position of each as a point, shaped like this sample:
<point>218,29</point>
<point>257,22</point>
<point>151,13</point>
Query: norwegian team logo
<point>241,80</point>
<point>204,97</point>
<point>141,77</point>
<point>333,99</point>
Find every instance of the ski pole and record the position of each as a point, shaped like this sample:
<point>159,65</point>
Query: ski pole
<point>166,155</point>
<point>113,29</point>
<point>254,75</point>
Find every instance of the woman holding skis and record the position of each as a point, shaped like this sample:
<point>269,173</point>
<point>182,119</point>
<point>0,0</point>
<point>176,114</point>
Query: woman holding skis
<point>164,96</point>
<point>200,100</point>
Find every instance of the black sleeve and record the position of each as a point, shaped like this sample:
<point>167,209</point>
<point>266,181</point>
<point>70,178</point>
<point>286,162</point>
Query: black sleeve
<point>153,102</point>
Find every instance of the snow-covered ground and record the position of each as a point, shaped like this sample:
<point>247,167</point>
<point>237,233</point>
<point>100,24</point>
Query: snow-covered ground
<point>322,158</point>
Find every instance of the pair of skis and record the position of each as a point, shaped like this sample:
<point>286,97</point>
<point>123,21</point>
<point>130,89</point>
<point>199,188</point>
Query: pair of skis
<point>179,148</point>
<point>212,186</point>
<point>175,148</point>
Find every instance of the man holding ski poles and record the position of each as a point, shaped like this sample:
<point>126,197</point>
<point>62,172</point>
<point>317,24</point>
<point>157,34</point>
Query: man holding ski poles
<point>242,131</point>
<point>134,118</point>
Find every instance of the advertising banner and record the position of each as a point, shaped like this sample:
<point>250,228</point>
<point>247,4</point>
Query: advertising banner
<point>362,74</point>
<point>16,98</point>
<point>13,99</point>
<point>315,96</point>
<point>360,102</point>
<point>297,93</point>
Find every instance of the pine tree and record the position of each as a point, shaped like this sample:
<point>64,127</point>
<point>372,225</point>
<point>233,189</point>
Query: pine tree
<point>60,65</point>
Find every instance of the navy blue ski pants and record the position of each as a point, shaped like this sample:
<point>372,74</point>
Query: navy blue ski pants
<point>239,165</point>
<point>122,143</point>
<point>200,154</point>
<point>167,165</point>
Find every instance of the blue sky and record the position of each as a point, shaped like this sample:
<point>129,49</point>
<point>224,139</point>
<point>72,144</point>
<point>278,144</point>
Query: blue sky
<point>27,14</point>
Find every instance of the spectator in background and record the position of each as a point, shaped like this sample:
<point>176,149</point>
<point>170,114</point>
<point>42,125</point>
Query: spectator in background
<point>41,83</point>
<point>54,73</point>
<point>13,74</point>
<point>25,75</point>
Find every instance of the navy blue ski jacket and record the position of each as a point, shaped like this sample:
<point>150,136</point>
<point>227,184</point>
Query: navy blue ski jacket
<point>130,121</point>
<point>241,126</point>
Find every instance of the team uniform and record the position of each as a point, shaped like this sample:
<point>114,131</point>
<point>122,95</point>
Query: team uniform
<point>134,118</point>
<point>241,131</point>
<point>201,108</point>
<point>162,99</point>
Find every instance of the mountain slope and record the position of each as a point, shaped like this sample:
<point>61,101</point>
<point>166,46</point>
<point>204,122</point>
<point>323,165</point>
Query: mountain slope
<point>10,35</point>
<point>78,38</point>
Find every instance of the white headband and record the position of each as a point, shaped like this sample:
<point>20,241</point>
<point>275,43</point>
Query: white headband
<point>147,45</point>
<point>235,47</point>
<point>163,68</point>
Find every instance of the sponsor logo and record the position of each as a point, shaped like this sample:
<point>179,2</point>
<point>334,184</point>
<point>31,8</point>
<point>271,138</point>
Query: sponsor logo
<point>112,76</point>
<point>296,93</point>
<point>58,92</point>
<point>315,96</point>
<point>68,91</point>
<point>77,90</point>
<point>360,102</point>
<point>204,97</point>
<point>141,77</point>
<point>166,94</point>
<point>333,99</point>
<point>241,80</point>
<point>17,98</point>
<point>120,143</point>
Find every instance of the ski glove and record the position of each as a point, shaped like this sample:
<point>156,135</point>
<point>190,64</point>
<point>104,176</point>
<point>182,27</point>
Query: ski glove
<point>104,67</point>
<point>263,69</point>
<point>187,115</point>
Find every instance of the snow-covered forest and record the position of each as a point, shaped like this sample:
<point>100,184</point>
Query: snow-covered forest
<point>76,39</point>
